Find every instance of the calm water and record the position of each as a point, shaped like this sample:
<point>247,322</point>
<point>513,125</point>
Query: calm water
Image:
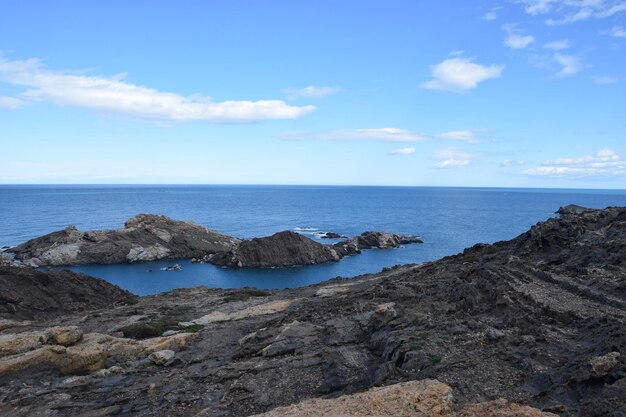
<point>447,219</point>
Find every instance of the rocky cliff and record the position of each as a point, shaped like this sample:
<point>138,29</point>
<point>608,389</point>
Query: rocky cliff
<point>27,294</point>
<point>145,237</point>
<point>537,322</point>
<point>148,237</point>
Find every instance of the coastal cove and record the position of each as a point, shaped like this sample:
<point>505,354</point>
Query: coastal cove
<point>447,219</point>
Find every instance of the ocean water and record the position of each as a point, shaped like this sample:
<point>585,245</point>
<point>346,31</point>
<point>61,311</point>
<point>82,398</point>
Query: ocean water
<point>447,219</point>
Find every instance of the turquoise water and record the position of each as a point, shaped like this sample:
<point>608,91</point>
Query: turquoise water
<point>447,219</point>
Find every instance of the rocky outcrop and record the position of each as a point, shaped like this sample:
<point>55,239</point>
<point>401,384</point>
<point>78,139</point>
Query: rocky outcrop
<point>331,235</point>
<point>289,249</point>
<point>29,294</point>
<point>148,237</point>
<point>425,398</point>
<point>527,327</point>
<point>281,249</point>
<point>145,237</point>
<point>370,240</point>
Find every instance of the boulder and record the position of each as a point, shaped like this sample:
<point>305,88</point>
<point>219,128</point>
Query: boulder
<point>161,357</point>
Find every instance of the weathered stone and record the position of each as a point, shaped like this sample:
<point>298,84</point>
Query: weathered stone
<point>65,336</point>
<point>160,357</point>
<point>602,365</point>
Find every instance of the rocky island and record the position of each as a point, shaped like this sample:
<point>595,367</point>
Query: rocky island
<point>149,237</point>
<point>534,326</point>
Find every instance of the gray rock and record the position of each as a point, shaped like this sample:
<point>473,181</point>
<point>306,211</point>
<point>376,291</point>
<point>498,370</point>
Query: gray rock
<point>145,237</point>
<point>162,356</point>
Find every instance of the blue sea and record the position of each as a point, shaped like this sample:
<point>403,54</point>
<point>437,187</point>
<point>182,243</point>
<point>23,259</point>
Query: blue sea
<point>447,219</point>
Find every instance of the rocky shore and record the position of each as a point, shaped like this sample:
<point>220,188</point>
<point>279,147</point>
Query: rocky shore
<point>148,237</point>
<point>534,326</point>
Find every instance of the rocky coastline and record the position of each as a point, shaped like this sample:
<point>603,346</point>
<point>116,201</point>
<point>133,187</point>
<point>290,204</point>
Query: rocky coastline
<point>534,326</point>
<point>149,237</point>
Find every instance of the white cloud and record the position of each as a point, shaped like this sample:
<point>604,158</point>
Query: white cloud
<point>603,162</point>
<point>604,79</point>
<point>310,92</point>
<point>384,134</point>
<point>468,136</point>
<point>460,74</point>
<point>557,45</point>
<point>571,11</point>
<point>618,32</point>
<point>453,158</point>
<point>514,39</point>
<point>570,65</point>
<point>511,162</point>
<point>402,151</point>
<point>113,95</point>
<point>491,15</point>
<point>11,102</point>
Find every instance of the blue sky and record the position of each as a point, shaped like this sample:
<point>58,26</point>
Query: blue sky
<point>518,93</point>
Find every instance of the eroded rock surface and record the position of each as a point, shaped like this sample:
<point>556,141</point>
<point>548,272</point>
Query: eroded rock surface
<point>148,237</point>
<point>29,294</point>
<point>145,237</point>
<point>526,327</point>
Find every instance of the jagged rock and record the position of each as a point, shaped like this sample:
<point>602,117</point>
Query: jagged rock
<point>65,336</point>
<point>175,267</point>
<point>281,249</point>
<point>602,365</point>
<point>573,209</point>
<point>557,293</point>
<point>148,237</point>
<point>6,259</point>
<point>331,235</point>
<point>29,352</point>
<point>369,240</point>
<point>410,399</point>
<point>425,398</point>
<point>43,295</point>
<point>161,357</point>
<point>145,237</point>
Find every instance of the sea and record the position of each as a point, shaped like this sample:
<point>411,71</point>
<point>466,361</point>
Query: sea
<point>447,219</point>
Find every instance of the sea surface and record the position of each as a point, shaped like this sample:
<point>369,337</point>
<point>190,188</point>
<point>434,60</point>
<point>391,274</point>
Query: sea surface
<point>447,219</point>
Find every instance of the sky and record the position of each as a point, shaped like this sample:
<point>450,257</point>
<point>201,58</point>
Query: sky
<point>513,93</point>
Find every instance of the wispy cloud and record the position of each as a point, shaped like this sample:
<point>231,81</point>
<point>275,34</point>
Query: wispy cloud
<point>386,134</point>
<point>11,102</point>
<point>460,74</point>
<point>310,92</point>
<point>570,65</point>
<point>571,11</point>
<point>618,32</point>
<point>453,158</point>
<point>383,134</point>
<point>603,162</point>
<point>402,151</point>
<point>515,39</point>
<point>557,45</point>
<point>604,79</point>
<point>114,95</point>
<point>468,136</point>
<point>491,15</point>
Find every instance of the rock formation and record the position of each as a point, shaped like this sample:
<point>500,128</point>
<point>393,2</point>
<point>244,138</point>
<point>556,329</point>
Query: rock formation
<point>27,294</point>
<point>281,249</point>
<point>145,237</point>
<point>527,327</point>
<point>149,237</point>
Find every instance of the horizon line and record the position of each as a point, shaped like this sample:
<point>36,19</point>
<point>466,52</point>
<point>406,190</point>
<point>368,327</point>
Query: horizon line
<point>299,185</point>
